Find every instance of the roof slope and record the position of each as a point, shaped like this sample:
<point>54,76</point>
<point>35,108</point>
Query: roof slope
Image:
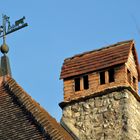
<point>22,118</point>
<point>14,124</point>
<point>97,59</point>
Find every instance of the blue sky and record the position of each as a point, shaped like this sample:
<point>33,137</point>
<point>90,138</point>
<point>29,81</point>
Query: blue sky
<point>59,29</point>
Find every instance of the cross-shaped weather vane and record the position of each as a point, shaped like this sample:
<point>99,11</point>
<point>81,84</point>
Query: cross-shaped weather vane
<point>6,28</point>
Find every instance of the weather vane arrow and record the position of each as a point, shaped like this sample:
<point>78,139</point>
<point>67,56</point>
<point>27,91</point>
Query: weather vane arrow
<point>6,28</point>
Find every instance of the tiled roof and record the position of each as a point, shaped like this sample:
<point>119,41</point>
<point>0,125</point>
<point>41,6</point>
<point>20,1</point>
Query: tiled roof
<point>24,119</point>
<point>98,59</point>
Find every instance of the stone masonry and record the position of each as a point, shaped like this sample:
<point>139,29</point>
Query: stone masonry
<point>111,116</point>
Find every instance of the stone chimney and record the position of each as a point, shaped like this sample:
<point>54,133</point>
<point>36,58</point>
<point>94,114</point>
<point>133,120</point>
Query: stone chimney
<point>101,98</point>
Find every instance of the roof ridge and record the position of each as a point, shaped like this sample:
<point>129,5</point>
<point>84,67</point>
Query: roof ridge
<point>99,49</point>
<point>41,116</point>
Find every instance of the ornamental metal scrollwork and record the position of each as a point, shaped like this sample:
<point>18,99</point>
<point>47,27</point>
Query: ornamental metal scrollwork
<point>7,28</point>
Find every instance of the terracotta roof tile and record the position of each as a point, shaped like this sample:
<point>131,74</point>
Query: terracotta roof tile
<point>51,128</point>
<point>16,124</point>
<point>97,59</point>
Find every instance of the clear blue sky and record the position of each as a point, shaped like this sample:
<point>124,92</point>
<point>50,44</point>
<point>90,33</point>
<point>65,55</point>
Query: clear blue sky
<point>59,29</point>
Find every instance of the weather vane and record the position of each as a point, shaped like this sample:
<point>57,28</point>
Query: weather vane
<point>6,28</point>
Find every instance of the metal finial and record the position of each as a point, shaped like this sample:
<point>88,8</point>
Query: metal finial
<point>4,48</point>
